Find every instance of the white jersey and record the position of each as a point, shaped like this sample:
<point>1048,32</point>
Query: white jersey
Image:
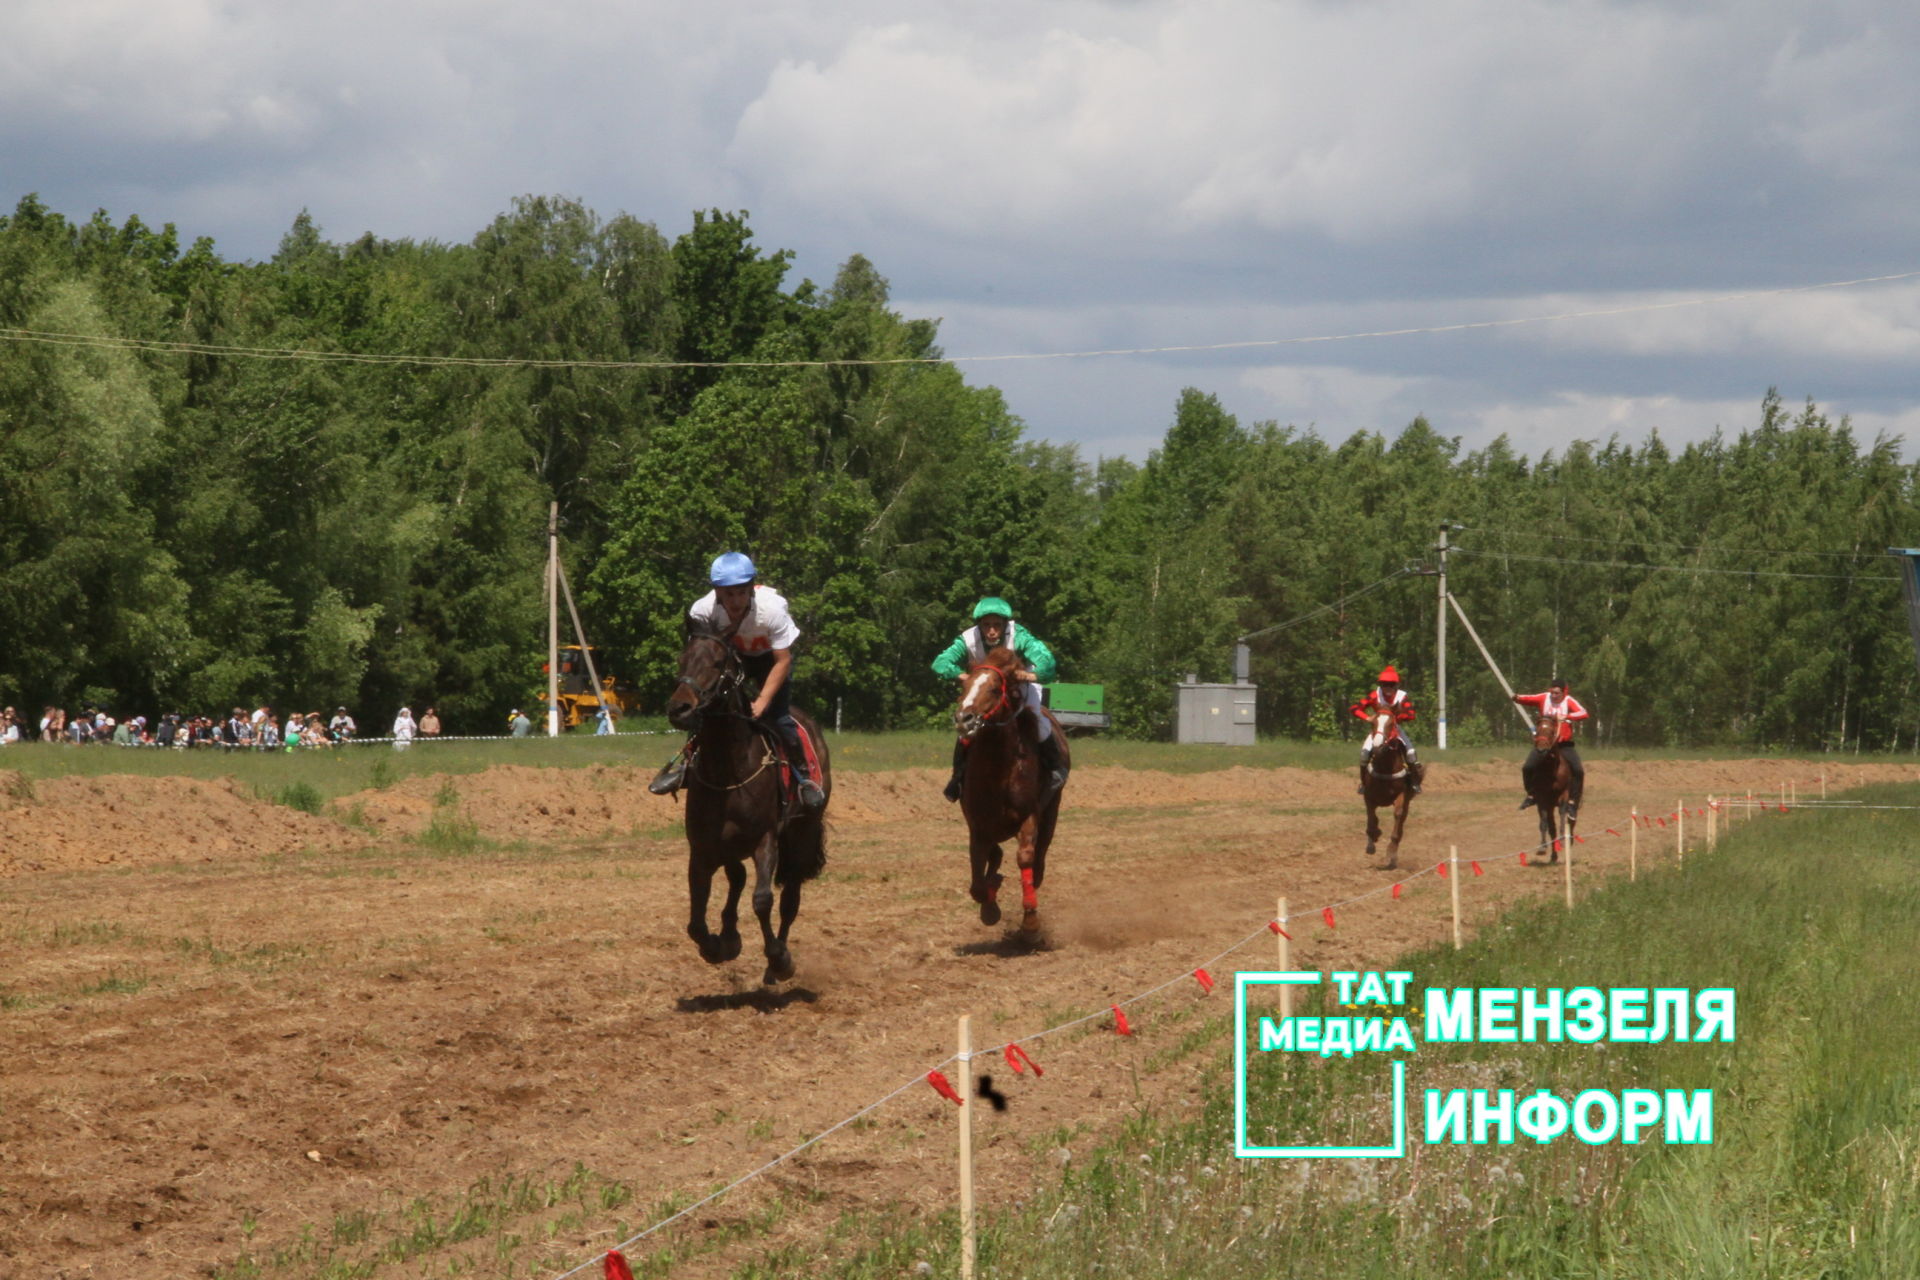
<point>767,626</point>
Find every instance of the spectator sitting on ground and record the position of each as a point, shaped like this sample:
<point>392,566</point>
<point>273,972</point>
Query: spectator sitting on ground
<point>341,726</point>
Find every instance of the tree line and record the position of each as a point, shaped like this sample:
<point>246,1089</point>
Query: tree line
<point>215,522</point>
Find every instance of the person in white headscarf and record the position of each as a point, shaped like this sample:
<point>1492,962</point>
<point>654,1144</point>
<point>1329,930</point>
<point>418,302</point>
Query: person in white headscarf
<point>403,729</point>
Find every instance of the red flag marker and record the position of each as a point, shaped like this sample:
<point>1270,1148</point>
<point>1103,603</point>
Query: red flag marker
<point>1612,832</point>
<point>1578,838</point>
<point>1396,892</point>
<point>1663,822</point>
<point>1523,857</point>
<point>1205,980</point>
<point>1441,869</point>
<point>1016,1055</point>
<point>1783,808</point>
<point>617,1268</point>
<point>1120,1026</point>
<point>1326,913</point>
<point>944,1089</point>
<point>1275,926</point>
<point>1476,868</point>
<point>1556,846</point>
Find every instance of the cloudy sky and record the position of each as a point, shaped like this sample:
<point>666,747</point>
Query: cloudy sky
<point>1053,176</point>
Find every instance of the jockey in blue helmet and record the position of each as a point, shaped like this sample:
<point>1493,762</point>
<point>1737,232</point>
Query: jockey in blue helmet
<point>760,628</point>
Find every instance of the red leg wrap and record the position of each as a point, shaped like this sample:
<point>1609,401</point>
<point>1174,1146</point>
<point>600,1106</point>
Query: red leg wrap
<point>1027,898</point>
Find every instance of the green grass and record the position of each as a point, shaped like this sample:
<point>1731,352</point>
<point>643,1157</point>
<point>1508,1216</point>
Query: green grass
<point>1814,1172</point>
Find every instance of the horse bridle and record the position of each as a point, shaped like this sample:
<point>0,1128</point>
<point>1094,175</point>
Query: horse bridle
<point>1003,702</point>
<point>732,677</point>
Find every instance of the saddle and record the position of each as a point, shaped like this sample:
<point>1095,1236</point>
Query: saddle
<point>789,781</point>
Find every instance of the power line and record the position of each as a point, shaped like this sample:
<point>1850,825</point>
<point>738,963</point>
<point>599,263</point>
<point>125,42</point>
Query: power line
<point>1327,608</point>
<point>1532,535</point>
<point>1676,568</point>
<point>164,346</point>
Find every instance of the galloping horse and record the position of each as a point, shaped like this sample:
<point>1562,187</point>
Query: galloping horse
<point>1386,783</point>
<point>1002,793</point>
<point>1551,787</point>
<point>736,806</point>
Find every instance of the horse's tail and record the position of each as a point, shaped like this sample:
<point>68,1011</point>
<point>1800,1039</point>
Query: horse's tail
<point>803,852</point>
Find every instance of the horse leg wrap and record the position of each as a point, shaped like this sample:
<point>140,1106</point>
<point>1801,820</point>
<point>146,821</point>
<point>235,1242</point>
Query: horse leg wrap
<point>1027,896</point>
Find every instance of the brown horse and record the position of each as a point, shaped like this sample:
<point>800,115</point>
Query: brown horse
<point>1551,787</point>
<point>1001,792</point>
<point>1386,783</point>
<point>737,807</point>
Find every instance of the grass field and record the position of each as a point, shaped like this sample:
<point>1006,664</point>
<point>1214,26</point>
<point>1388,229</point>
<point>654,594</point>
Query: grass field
<point>1814,1172</point>
<point>336,771</point>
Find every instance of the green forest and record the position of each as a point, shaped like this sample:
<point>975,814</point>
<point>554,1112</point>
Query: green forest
<point>191,518</point>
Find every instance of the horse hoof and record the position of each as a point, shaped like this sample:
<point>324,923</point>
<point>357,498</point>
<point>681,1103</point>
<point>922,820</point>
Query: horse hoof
<point>729,946</point>
<point>1369,848</point>
<point>989,912</point>
<point>778,970</point>
<point>714,952</point>
<point>1030,922</point>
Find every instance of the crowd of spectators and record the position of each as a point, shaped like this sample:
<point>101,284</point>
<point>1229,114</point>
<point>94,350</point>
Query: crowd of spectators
<point>261,729</point>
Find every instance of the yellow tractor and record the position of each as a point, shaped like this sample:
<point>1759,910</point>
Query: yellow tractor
<point>578,705</point>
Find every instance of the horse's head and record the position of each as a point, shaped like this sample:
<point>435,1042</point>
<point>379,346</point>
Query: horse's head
<point>1546,732</point>
<point>709,672</point>
<point>987,694</point>
<point>1386,734</point>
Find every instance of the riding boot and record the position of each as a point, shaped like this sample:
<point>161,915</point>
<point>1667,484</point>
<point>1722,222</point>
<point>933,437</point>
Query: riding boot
<point>670,778</point>
<point>1053,765</point>
<point>959,769</point>
<point>806,789</point>
<point>1361,787</point>
<point>1417,776</point>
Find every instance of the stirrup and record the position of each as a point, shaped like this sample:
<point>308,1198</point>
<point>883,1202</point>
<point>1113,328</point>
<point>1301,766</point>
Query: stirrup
<point>809,795</point>
<point>670,778</point>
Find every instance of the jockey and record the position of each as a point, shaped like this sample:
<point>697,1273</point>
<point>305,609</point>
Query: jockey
<point>993,627</point>
<point>1389,696</point>
<point>756,623</point>
<point>1560,704</point>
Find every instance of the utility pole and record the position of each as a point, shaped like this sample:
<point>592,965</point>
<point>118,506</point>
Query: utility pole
<point>553,620</point>
<point>1440,643</point>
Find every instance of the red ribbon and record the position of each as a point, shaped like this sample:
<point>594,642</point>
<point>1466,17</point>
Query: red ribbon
<point>1578,838</point>
<point>1326,913</point>
<point>1556,846</point>
<point>1441,868</point>
<point>1396,892</point>
<point>1016,1055</point>
<point>1663,822</point>
<point>617,1268</point>
<point>1120,1026</point>
<point>1476,868</point>
<point>1612,832</point>
<point>1275,926</point>
<point>1523,857</point>
<point>944,1089</point>
<point>1783,808</point>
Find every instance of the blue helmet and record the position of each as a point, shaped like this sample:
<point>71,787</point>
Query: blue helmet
<point>732,569</point>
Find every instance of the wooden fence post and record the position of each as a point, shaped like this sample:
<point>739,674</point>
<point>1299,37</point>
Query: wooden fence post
<point>1453,883</point>
<point>1633,845</point>
<point>1286,962</point>
<point>966,1147</point>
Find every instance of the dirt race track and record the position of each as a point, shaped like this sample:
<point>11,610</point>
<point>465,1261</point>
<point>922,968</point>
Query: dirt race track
<point>224,1023</point>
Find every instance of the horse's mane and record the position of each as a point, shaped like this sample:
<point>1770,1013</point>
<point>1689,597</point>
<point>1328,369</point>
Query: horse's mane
<point>1003,658</point>
<point>695,626</point>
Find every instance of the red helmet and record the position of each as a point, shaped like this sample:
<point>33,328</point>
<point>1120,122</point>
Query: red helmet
<point>1389,676</point>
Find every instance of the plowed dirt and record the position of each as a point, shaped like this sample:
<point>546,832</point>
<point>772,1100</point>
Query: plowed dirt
<point>231,1032</point>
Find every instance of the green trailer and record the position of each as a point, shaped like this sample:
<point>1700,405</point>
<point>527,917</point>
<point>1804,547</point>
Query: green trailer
<point>1079,706</point>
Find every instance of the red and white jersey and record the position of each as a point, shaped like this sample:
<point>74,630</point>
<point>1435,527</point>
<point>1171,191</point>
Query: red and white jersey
<point>1567,708</point>
<point>1400,704</point>
<point>767,626</point>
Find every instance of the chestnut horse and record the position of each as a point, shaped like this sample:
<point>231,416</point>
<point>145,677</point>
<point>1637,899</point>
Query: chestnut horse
<point>1386,783</point>
<point>1001,792</point>
<point>1551,787</point>
<point>736,808</point>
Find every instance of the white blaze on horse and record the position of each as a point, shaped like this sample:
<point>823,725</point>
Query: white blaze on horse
<point>1387,782</point>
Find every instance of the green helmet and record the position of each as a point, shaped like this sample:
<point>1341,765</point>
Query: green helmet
<point>992,606</point>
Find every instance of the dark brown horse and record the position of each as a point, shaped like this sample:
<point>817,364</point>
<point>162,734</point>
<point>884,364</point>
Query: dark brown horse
<point>1551,786</point>
<point>737,807</point>
<point>1386,784</point>
<point>1002,793</point>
